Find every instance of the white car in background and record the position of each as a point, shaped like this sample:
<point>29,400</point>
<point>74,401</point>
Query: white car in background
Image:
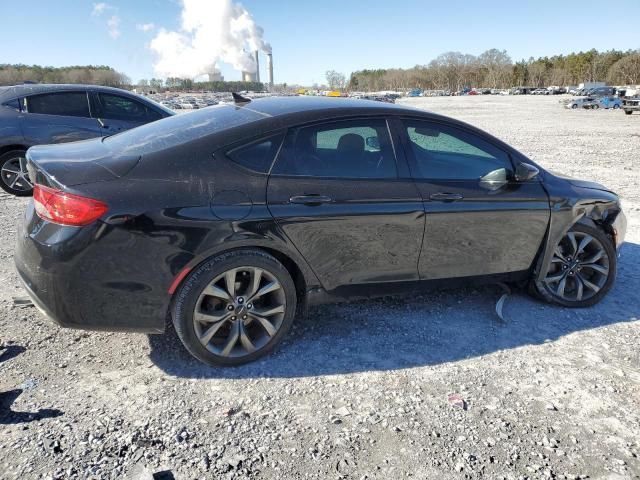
<point>582,102</point>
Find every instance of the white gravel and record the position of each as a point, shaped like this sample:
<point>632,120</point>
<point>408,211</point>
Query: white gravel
<point>359,390</point>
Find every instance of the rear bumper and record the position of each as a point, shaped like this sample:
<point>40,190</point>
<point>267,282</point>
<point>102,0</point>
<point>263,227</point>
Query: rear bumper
<point>76,277</point>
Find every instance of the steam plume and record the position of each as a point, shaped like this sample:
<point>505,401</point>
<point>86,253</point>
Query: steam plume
<point>212,31</point>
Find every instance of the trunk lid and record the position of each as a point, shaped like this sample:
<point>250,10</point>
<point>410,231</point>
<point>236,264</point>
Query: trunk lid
<point>77,163</point>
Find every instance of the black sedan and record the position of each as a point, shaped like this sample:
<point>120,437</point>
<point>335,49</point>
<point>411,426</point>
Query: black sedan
<point>234,218</point>
<point>36,114</point>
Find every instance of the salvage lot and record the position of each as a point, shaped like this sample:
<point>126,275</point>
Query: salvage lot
<point>356,390</point>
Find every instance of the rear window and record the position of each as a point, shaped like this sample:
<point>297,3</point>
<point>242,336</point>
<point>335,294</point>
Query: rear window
<point>179,129</point>
<point>69,104</point>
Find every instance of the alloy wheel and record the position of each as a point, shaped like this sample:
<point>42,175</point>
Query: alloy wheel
<point>15,174</point>
<point>239,312</point>
<point>579,268</point>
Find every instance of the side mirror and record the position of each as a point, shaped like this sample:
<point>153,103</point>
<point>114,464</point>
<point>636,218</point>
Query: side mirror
<point>525,172</point>
<point>495,180</point>
<point>373,142</point>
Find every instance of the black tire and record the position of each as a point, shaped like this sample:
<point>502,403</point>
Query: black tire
<point>628,112</point>
<point>543,287</point>
<point>574,106</point>
<point>595,106</point>
<point>192,290</point>
<point>10,161</point>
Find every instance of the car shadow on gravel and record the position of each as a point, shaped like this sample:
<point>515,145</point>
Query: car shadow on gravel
<point>434,328</point>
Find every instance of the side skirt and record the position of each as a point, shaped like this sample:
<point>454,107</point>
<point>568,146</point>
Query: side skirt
<point>375,290</point>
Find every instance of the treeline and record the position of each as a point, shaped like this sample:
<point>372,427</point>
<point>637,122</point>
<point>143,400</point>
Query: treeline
<point>88,74</point>
<point>186,84</point>
<point>495,69</point>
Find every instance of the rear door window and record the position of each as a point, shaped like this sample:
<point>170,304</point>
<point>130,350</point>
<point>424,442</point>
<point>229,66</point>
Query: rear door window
<point>116,107</point>
<point>69,104</point>
<point>343,149</point>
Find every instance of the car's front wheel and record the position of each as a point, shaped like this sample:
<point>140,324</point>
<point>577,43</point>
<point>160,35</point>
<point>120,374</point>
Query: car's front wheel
<point>235,308</point>
<point>14,178</point>
<point>582,269</point>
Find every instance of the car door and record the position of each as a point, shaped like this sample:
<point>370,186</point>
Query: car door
<point>351,209</point>
<point>479,219</point>
<point>116,113</point>
<point>57,117</point>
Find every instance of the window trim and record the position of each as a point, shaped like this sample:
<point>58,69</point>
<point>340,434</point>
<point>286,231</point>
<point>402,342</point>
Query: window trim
<point>329,121</point>
<point>25,102</point>
<point>413,163</point>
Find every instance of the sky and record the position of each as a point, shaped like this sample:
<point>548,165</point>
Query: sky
<point>310,37</point>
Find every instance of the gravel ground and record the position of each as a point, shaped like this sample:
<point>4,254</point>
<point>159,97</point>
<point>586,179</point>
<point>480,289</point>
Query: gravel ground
<point>429,387</point>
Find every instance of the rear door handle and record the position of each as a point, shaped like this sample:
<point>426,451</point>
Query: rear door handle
<point>312,200</point>
<point>445,197</point>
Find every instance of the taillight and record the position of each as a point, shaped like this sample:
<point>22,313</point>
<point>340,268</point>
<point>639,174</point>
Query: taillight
<point>65,208</point>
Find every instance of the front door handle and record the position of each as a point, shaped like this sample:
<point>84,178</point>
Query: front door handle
<point>311,200</point>
<point>445,197</point>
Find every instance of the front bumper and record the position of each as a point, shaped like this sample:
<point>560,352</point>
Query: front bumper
<point>619,229</point>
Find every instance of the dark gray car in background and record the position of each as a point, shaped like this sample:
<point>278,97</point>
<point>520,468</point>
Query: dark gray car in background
<point>37,114</point>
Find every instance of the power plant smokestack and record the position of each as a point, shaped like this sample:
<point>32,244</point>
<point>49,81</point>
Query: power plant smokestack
<point>257,66</point>
<point>270,66</point>
<point>248,77</point>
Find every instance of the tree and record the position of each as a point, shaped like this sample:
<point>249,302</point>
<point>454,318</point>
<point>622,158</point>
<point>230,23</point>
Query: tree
<point>626,70</point>
<point>155,83</point>
<point>497,64</point>
<point>336,80</point>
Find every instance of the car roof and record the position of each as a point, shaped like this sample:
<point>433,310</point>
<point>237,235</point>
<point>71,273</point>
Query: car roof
<point>14,91</point>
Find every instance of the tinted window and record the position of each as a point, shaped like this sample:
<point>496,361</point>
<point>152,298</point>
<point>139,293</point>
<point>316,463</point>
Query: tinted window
<point>257,156</point>
<point>115,107</point>
<point>347,149</point>
<point>70,104</point>
<point>14,104</point>
<point>445,152</point>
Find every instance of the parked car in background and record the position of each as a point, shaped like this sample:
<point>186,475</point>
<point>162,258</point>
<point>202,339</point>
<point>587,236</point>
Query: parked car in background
<point>233,218</point>
<point>630,105</point>
<point>582,102</point>
<point>540,91</point>
<point>600,91</point>
<point>36,114</point>
<point>610,102</point>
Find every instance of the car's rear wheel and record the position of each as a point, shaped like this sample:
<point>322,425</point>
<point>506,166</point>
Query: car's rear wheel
<point>628,112</point>
<point>595,106</point>
<point>616,106</point>
<point>14,178</point>
<point>574,106</point>
<point>235,308</point>
<point>582,269</point>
